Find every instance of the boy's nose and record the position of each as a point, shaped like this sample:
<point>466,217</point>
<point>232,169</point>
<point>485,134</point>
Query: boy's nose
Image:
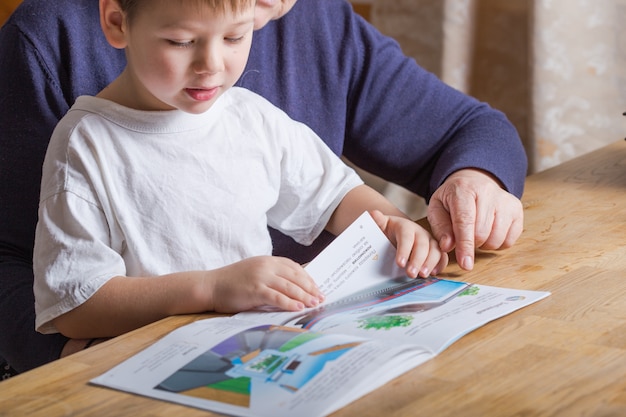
<point>209,61</point>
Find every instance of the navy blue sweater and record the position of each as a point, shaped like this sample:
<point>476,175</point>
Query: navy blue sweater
<point>322,64</point>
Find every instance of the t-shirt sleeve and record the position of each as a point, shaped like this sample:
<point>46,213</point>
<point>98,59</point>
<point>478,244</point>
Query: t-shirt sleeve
<point>313,183</point>
<point>72,258</point>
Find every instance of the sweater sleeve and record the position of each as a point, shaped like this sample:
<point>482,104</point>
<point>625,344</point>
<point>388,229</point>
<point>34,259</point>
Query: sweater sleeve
<point>412,129</point>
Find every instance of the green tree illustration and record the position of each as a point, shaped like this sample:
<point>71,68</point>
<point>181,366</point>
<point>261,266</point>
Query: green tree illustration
<point>472,290</point>
<point>385,322</point>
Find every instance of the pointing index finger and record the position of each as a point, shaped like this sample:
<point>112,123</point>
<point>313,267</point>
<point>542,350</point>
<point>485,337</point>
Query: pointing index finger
<point>463,216</point>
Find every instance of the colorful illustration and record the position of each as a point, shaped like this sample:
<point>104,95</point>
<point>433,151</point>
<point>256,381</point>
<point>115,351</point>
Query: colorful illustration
<point>258,360</point>
<point>401,297</point>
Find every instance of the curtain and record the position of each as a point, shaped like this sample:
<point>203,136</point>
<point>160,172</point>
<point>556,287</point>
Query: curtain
<point>556,68</point>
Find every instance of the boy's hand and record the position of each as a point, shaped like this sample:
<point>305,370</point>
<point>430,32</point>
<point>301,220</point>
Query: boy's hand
<point>264,281</point>
<point>416,250</point>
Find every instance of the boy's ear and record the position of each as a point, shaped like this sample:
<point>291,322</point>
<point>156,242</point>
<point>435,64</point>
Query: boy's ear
<point>113,23</point>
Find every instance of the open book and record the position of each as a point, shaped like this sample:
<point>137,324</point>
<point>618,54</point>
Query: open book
<point>375,325</point>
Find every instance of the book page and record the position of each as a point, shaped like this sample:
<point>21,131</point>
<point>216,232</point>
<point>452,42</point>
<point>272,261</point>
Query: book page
<point>247,369</point>
<point>360,257</point>
<point>369,296</point>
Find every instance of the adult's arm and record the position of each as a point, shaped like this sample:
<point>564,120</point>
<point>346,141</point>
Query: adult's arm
<point>412,129</point>
<point>38,81</point>
<point>446,146</point>
<point>465,157</point>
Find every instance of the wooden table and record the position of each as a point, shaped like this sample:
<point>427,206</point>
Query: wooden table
<point>564,356</point>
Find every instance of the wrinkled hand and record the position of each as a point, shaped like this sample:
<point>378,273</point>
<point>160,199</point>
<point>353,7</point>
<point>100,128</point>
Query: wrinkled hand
<point>264,281</point>
<point>470,210</point>
<point>416,250</point>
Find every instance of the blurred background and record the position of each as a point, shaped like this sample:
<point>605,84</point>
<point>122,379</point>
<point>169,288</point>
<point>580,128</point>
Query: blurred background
<point>6,7</point>
<point>556,68</point>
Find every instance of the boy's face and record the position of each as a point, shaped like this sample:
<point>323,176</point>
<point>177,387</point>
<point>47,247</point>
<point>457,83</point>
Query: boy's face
<point>184,55</point>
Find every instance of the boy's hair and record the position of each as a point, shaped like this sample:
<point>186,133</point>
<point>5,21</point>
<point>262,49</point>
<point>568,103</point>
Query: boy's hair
<point>130,6</point>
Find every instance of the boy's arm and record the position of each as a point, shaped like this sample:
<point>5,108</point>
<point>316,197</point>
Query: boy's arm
<point>127,303</point>
<point>359,199</point>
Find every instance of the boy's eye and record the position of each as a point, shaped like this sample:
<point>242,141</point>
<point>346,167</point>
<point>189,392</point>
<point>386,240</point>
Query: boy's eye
<point>234,39</point>
<point>180,44</point>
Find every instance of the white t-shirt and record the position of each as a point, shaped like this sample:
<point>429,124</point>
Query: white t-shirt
<point>136,193</point>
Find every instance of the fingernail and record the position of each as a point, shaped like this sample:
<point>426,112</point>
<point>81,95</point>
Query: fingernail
<point>402,262</point>
<point>467,263</point>
<point>314,302</point>
<point>424,272</point>
<point>299,306</point>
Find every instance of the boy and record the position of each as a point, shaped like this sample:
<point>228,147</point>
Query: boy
<point>144,212</point>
